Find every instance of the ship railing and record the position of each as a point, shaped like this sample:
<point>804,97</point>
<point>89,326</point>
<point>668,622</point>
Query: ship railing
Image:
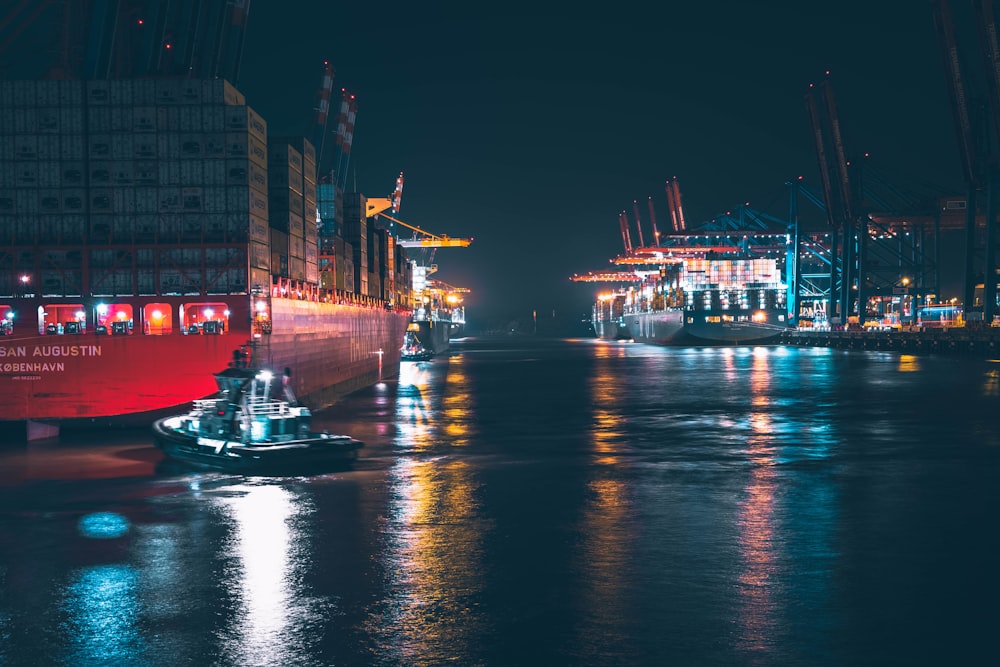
<point>204,404</point>
<point>262,405</point>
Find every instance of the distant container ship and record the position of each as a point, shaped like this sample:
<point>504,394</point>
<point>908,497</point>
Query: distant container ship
<point>696,297</point>
<point>151,229</point>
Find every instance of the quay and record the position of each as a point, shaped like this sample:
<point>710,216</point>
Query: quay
<point>957,340</point>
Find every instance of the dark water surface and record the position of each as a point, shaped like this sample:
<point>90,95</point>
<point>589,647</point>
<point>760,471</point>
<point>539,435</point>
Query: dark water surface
<point>534,502</point>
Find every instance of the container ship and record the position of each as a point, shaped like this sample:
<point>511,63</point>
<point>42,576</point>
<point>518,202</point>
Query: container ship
<point>151,230</point>
<point>693,287</point>
<point>696,300</point>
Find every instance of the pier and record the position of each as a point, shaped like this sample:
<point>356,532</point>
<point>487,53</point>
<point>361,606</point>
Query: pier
<point>958,340</point>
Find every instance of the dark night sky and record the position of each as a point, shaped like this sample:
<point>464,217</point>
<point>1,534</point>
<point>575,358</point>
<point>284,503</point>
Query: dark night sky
<point>530,128</point>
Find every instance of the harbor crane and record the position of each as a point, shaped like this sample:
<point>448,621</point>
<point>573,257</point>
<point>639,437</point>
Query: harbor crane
<point>376,207</point>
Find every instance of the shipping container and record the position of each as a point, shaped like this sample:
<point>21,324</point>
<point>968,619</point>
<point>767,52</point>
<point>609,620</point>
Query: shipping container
<point>26,200</point>
<point>49,174</point>
<point>122,173</point>
<point>214,199</point>
<point>214,172</point>
<point>71,120</point>
<point>257,150</point>
<point>296,247</point>
<point>168,119</point>
<point>189,91</point>
<point>145,146</point>
<point>215,227</point>
<point>286,200</point>
<point>258,203</point>
<point>121,119</point>
<point>98,92</point>
<point>122,230</point>
<point>296,268</point>
<point>48,147</point>
<point>146,200</point>
<point>99,119</point>
<point>213,118</point>
<point>49,120</point>
<point>284,155</point>
<point>144,92</point>
<point>281,178</point>
<point>122,147</point>
<point>258,228</point>
<point>24,94</point>
<point>121,92</point>
<point>144,119</point>
<point>192,146</point>
<point>26,174</point>
<point>25,147</point>
<point>99,230</point>
<point>71,146</point>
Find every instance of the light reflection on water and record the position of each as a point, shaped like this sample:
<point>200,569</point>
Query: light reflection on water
<point>261,571</point>
<point>532,503</point>
<point>755,523</point>
<point>102,609</point>
<point>433,564</point>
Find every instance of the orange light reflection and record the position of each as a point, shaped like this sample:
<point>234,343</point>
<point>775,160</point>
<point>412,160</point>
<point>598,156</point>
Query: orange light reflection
<point>434,562</point>
<point>755,521</point>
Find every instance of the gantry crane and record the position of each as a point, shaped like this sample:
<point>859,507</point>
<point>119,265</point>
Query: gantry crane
<point>376,207</point>
<point>425,290</point>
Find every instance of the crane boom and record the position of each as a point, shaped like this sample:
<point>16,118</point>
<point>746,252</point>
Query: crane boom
<point>432,240</point>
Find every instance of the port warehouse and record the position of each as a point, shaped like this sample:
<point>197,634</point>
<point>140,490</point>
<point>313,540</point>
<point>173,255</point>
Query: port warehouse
<point>172,187</point>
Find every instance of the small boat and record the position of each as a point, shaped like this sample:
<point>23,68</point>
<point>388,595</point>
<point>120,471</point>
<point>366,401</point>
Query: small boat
<point>253,424</point>
<point>413,349</point>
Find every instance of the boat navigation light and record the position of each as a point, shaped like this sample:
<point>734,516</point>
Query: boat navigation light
<point>760,316</point>
<point>264,375</point>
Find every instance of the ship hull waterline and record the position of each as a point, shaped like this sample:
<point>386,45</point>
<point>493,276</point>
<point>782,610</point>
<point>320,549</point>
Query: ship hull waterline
<point>678,327</point>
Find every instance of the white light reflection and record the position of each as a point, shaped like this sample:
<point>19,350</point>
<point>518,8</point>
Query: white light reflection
<point>262,578</point>
<point>412,412</point>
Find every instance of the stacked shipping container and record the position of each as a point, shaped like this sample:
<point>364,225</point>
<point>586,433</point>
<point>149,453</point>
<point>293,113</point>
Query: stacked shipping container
<point>132,187</point>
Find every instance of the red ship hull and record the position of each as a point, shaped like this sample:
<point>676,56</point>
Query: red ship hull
<point>331,349</point>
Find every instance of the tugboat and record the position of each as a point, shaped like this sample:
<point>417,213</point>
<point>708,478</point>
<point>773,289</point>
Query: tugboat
<point>413,349</point>
<point>252,425</point>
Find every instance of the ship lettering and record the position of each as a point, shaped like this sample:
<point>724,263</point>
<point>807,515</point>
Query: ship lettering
<point>19,351</point>
<point>67,351</point>
<point>36,367</point>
